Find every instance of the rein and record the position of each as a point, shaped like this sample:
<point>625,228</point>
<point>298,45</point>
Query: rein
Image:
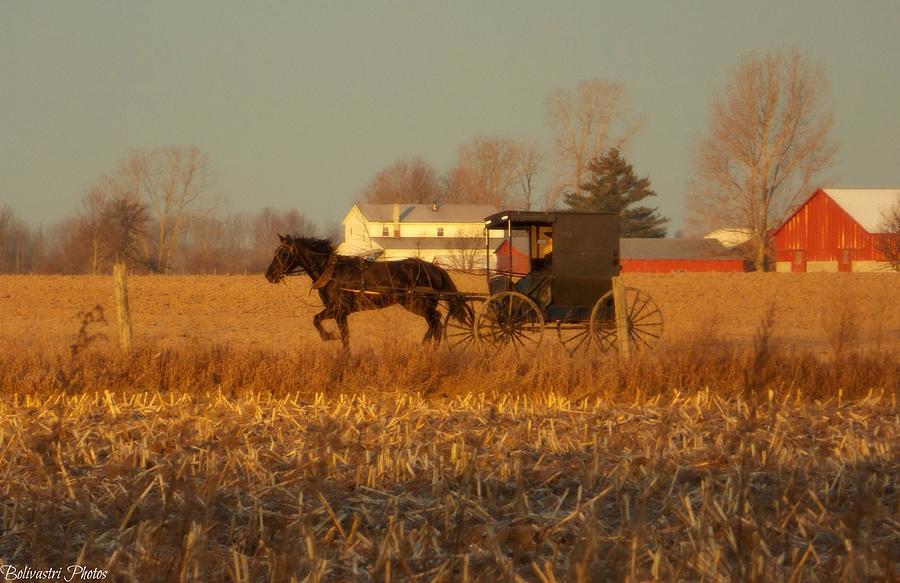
<point>298,298</point>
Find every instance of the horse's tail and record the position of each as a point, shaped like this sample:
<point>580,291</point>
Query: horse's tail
<point>461,311</point>
<point>458,306</point>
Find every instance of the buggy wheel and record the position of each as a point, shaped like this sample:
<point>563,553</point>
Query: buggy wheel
<point>459,335</point>
<point>643,319</point>
<point>510,319</point>
<point>574,337</point>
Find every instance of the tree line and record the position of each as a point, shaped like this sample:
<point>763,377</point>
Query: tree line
<point>155,213</point>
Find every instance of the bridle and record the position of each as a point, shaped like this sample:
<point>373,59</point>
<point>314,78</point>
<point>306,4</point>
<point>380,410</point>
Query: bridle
<point>297,269</point>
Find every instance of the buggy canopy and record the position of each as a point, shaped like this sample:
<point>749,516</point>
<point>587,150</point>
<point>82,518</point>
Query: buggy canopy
<point>519,219</point>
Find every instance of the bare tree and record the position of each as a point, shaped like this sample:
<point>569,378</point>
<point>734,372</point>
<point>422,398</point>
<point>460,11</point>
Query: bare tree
<point>410,180</point>
<point>888,240</point>
<point>63,248</point>
<point>587,121</point>
<point>110,227</point>
<point>7,225</point>
<point>14,242</point>
<point>171,182</point>
<point>467,251</point>
<point>236,242</point>
<point>768,138</point>
<point>91,220</point>
<point>208,247</point>
<point>486,172</point>
<point>531,163</point>
<point>266,225</point>
<point>124,224</point>
<point>333,231</point>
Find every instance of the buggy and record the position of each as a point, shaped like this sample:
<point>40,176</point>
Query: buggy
<point>555,270</point>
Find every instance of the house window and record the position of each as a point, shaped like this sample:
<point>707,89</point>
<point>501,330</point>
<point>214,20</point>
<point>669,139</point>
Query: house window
<point>385,231</point>
<point>440,231</point>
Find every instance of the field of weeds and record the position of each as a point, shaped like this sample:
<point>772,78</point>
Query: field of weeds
<point>708,459</point>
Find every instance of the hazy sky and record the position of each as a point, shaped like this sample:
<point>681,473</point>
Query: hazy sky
<point>299,104</point>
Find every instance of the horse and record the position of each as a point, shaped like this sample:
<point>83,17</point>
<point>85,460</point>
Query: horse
<point>352,284</point>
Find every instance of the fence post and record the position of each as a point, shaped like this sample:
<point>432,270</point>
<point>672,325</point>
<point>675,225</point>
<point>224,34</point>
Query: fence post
<point>120,281</point>
<point>622,335</point>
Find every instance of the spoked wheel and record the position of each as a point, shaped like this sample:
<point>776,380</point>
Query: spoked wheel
<point>510,319</point>
<point>643,319</point>
<point>459,334</point>
<point>574,337</point>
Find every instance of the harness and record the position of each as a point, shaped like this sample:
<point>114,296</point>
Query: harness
<point>327,273</point>
<point>363,265</point>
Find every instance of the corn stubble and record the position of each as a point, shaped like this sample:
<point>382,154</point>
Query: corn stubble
<point>220,464</point>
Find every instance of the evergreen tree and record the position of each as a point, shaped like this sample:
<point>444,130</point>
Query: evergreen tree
<point>613,188</point>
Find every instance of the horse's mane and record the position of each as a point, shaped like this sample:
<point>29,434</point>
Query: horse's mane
<point>314,244</point>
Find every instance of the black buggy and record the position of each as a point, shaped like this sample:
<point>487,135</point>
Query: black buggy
<point>554,269</point>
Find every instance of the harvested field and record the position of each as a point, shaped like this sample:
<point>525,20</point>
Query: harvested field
<point>205,487</point>
<point>232,445</point>
<point>248,311</point>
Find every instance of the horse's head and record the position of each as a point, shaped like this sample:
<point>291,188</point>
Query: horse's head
<point>286,260</point>
<point>298,254</point>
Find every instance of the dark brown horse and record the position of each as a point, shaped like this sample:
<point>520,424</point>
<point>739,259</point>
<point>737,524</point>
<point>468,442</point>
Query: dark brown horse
<point>351,284</point>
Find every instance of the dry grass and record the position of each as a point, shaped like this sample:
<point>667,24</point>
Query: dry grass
<point>408,368</point>
<point>709,459</point>
<point>166,486</point>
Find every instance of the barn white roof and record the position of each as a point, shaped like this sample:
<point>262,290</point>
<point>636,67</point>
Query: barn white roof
<point>730,237</point>
<point>867,206</point>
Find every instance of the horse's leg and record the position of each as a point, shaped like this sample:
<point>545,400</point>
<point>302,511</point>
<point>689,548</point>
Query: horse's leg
<point>344,327</point>
<point>317,322</point>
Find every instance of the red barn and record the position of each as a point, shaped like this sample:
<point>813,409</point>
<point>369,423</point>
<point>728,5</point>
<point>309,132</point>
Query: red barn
<point>676,255</point>
<point>836,229</point>
<point>521,263</point>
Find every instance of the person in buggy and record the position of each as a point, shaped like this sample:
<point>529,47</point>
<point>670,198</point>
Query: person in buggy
<point>536,284</point>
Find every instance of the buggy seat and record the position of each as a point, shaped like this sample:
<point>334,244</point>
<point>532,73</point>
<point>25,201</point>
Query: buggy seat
<point>536,286</point>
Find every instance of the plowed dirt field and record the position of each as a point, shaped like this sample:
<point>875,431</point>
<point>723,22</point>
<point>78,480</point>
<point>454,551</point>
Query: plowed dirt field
<point>811,310</point>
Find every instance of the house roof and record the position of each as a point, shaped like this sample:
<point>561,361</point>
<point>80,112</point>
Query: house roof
<point>424,213</point>
<point>674,249</point>
<point>866,206</point>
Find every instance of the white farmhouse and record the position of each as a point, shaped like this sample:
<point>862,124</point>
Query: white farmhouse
<point>447,234</point>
